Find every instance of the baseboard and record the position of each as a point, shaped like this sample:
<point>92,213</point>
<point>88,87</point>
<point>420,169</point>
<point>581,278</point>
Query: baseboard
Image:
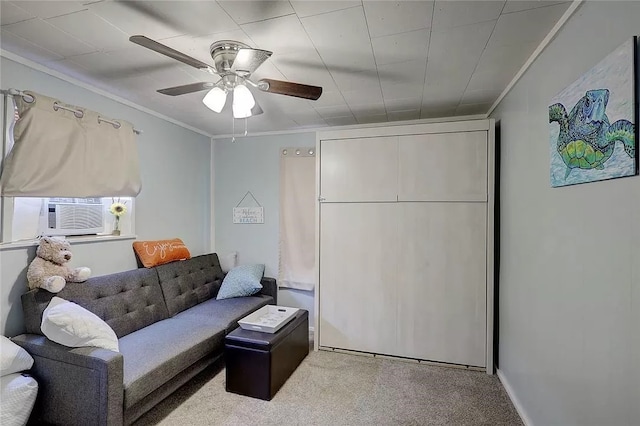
<point>514,399</point>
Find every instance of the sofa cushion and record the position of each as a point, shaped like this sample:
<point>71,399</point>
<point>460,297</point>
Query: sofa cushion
<point>225,313</point>
<point>159,352</point>
<point>127,301</point>
<point>189,282</point>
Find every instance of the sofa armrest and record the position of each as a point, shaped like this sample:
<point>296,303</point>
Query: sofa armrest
<point>77,386</point>
<point>270,288</point>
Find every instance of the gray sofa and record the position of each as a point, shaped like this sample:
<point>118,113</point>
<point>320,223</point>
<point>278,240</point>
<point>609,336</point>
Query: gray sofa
<point>169,325</point>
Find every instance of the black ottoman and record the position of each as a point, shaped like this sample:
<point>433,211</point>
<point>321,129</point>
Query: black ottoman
<point>258,363</point>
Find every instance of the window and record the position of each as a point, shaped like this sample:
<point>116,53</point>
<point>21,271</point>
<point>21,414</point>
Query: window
<point>30,217</point>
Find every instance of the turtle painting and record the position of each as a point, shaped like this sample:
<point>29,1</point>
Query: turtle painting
<point>593,122</point>
<point>586,139</point>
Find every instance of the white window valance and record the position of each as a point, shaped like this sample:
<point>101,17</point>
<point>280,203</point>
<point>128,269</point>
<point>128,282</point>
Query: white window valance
<point>62,150</point>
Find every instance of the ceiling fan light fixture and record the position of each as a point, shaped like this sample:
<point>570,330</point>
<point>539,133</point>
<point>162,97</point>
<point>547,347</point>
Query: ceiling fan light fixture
<point>243,102</point>
<point>215,99</point>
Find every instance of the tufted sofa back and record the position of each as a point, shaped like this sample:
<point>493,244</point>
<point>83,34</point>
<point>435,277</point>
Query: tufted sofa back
<point>188,282</point>
<point>127,301</point>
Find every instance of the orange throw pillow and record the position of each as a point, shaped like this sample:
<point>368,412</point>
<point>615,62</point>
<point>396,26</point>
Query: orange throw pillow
<point>159,252</point>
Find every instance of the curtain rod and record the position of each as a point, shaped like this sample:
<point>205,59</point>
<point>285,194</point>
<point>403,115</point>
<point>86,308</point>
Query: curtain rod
<point>77,112</point>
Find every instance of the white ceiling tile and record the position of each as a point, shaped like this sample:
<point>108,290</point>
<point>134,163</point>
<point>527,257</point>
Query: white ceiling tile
<point>412,114</point>
<point>46,35</point>
<point>409,46</point>
<point>334,111</point>
<point>189,17</point>
<point>122,63</point>
<point>315,7</point>
<point>447,14</point>
<point>280,35</point>
<point>364,80</point>
<point>360,58</point>
<point>372,95</point>
<point>392,17</point>
<point>244,12</point>
<point>405,104</point>
<point>402,73</point>
<point>340,28</point>
<point>490,80</point>
<point>471,109</point>
<point>368,110</point>
<point>49,9</point>
<point>527,26</point>
<point>329,99</point>
<point>479,96</point>
<point>439,111</point>
<point>454,53</point>
<point>373,118</point>
<point>11,13</point>
<point>442,94</point>
<point>308,119</point>
<point>347,46</point>
<point>25,48</point>
<point>341,121</point>
<point>68,67</point>
<point>133,20</point>
<point>306,68</point>
<point>503,59</point>
<point>92,29</point>
<point>400,90</point>
<point>519,5</point>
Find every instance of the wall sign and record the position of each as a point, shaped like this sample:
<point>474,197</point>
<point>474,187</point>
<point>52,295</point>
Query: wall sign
<point>250,214</point>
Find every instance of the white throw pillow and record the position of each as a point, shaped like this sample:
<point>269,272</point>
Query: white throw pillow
<point>13,358</point>
<point>228,261</point>
<point>72,325</point>
<point>17,396</point>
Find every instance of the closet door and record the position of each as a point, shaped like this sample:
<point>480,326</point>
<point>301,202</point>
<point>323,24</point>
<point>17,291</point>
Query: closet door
<point>442,282</point>
<point>354,170</point>
<point>357,291</point>
<point>443,167</point>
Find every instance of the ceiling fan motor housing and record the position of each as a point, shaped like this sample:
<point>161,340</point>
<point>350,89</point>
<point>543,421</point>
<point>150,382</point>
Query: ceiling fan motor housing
<point>223,53</point>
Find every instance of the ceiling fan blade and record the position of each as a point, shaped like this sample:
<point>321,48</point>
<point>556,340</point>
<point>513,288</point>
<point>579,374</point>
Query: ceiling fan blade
<point>290,89</point>
<point>248,60</point>
<point>187,88</point>
<point>167,51</point>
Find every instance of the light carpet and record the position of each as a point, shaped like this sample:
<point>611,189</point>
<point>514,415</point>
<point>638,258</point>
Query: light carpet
<point>331,388</point>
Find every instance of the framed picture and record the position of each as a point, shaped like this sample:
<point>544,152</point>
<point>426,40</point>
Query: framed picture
<point>593,122</point>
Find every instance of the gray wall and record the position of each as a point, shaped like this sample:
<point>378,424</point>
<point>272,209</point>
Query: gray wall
<point>174,202</point>
<point>570,257</point>
<point>253,164</point>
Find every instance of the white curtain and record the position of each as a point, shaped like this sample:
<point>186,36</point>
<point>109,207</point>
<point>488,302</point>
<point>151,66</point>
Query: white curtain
<point>59,153</point>
<point>297,218</point>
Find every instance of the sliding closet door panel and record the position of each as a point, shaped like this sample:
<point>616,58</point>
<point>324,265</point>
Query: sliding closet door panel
<point>443,167</point>
<point>357,291</point>
<point>442,282</point>
<point>355,170</point>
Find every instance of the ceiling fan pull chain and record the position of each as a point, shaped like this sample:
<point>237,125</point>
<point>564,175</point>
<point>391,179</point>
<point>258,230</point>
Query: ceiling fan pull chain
<point>233,129</point>
<point>246,126</point>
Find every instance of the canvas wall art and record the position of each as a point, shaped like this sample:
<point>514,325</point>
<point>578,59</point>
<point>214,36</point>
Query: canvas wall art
<point>593,122</point>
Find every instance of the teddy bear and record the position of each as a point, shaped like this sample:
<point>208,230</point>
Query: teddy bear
<point>49,269</point>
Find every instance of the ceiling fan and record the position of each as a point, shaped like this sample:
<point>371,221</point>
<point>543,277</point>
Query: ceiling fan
<point>234,62</point>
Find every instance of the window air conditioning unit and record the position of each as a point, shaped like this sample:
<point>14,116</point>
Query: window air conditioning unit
<point>71,216</point>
